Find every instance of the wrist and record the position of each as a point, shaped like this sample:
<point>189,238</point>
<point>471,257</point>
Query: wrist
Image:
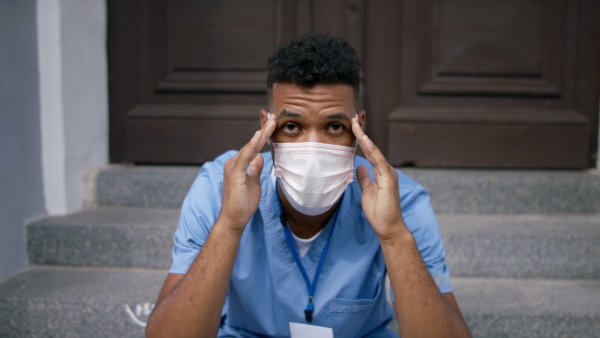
<point>229,228</point>
<point>400,236</point>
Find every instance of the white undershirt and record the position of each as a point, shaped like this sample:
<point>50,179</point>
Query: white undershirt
<point>302,244</point>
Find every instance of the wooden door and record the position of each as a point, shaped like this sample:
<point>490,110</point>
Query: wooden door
<point>494,83</point>
<point>187,77</point>
<point>446,83</point>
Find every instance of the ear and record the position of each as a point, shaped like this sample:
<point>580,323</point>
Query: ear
<point>362,119</point>
<point>263,117</point>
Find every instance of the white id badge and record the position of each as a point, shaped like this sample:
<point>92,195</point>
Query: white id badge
<point>298,330</point>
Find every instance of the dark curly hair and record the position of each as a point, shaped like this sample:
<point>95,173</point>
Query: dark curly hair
<point>312,59</point>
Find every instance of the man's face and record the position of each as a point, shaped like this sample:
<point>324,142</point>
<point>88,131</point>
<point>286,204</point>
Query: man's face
<point>318,114</point>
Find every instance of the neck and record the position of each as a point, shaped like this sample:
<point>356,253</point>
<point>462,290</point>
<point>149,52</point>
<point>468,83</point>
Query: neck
<point>304,226</point>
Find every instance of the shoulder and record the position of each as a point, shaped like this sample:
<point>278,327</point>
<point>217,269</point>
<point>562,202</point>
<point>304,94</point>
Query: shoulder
<point>210,177</point>
<point>217,164</point>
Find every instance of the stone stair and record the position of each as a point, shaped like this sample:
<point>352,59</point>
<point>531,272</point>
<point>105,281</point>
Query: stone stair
<point>522,248</point>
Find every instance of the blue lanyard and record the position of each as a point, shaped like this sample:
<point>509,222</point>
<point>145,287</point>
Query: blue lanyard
<point>312,287</point>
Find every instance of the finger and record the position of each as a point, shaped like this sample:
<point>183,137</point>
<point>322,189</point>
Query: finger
<point>248,153</point>
<point>361,137</point>
<point>265,116</point>
<point>371,151</point>
<point>267,130</point>
<point>356,129</point>
<point>256,167</point>
<point>363,177</point>
<point>242,159</point>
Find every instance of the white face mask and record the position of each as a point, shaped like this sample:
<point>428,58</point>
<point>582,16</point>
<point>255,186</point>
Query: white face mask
<point>313,175</point>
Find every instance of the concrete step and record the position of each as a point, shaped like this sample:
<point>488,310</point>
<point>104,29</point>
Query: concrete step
<point>78,302</point>
<point>92,302</point>
<point>496,307</point>
<point>529,307</point>
<point>143,186</point>
<point>112,237</point>
<point>522,246</point>
<point>552,192</point>
<point>451,190</point>
<point>477,245</point>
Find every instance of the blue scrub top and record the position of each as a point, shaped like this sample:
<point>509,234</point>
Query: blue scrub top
<point>267,290</point>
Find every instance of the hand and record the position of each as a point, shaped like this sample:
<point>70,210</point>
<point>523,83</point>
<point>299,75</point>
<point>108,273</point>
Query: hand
<point>241,187</point>
<point>381,198</point>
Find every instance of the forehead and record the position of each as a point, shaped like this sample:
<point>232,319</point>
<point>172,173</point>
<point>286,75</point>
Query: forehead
<point>321,95</point>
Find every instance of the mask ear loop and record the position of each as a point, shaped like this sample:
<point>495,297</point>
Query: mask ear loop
<point>355,139</point>
<point>271,144</point>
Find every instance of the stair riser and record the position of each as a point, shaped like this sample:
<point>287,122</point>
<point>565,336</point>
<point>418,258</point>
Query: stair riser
<point>110,237</point>
<point>490,326</point>
<point>153,187</point>
<point>452,191</point>
<point>141,247</point>
<point>30,318</point>
<point>476,246</point>
<point>522,246</point>
<point>84,302</point>
<point>511,192</point>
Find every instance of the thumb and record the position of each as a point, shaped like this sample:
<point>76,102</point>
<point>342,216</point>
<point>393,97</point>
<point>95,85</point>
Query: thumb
<point>363,177</point>
<point>256,167</point>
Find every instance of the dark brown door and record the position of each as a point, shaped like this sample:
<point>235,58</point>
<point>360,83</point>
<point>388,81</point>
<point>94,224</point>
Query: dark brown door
<point>494,83</point>
<point>459,83</point>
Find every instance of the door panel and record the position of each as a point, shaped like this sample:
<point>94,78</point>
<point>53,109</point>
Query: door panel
<point>446,83</point>
<point>188,77</point>
<point>483,84</point>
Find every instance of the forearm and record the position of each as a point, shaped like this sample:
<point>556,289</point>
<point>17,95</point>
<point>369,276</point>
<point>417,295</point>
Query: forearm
<point>193,307</point>
<point>419,306</point>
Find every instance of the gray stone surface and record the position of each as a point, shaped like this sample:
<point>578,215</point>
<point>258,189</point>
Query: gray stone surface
<point>115,237</point>
<point>496,224</point>
<point>529,307</point>
<point>476,245</point>
<point>144,186</point>
<point>451,190</point>
<point>511,191</point>
<point>78,302</point>
<point>522,245</point>
<point>91,302</point>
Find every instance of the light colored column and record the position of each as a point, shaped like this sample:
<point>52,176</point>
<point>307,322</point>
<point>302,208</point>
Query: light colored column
<point>74,97</point>
<point>51,107</point>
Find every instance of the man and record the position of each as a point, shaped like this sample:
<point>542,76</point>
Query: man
<point>268,246</point>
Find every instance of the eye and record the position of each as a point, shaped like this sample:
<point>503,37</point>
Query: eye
<point>290,128</point>
<point>336,127</point>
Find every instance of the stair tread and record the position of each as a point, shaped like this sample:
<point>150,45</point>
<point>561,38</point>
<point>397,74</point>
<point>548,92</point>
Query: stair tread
<point>84,284</point>
<point>511,191</point>
<point>47,301</point>
<point>144,186</point>
<point>531,296</point>
<point>63,301</point>
<point>522,245</point>
<point>477,245</point>
<point>528,296</point>
<point>481,191</point>
<point>126,237</point>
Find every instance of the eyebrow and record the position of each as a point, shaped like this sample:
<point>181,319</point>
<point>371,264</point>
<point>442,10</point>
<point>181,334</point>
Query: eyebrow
<point>287,113</point>
<point>338,116</point>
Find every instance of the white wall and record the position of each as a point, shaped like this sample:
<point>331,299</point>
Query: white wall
<point>21,187</point>
<point>74,97</point>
